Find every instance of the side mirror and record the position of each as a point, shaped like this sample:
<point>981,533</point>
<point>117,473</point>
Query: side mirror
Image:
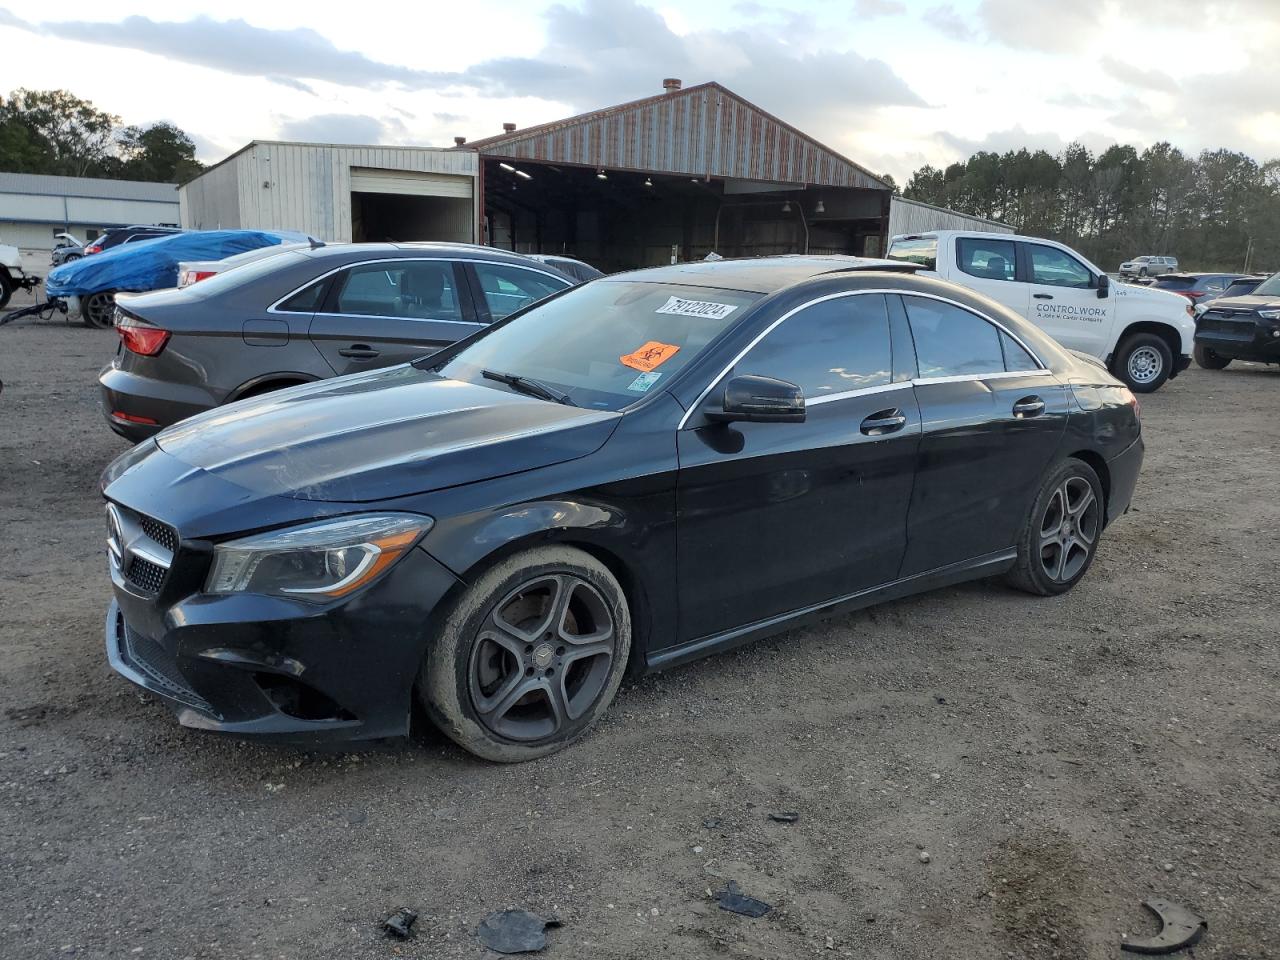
<point>760,400</point>
<point>1104,286</point>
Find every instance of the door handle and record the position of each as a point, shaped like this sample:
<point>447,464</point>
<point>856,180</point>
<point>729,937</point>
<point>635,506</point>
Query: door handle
<point>1044,296</point>
<point>358,351</point>
<point>885,421</point>
<point>1028,407</point>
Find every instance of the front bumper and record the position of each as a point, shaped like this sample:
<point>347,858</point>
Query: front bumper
<point>155,404</point>
<point>282,670</point>
<point>1123,470</point>
<point>1240,338</point>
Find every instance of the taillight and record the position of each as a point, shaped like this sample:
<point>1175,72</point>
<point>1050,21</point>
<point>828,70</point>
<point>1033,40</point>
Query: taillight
<point>93,249</point>
<point>198,275</point>
<point>141,338</point>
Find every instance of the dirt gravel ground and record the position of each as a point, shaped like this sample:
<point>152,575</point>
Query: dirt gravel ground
<point>1059,760</point>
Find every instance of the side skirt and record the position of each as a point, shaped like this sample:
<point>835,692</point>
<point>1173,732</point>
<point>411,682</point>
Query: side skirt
<point>978,568</point>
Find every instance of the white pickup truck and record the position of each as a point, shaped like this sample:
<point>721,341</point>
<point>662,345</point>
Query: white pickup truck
<point>1144,336</point>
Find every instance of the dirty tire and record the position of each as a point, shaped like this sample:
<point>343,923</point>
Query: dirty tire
<point>98,310</point>
<point>1143,361</point>
<point>459,671</point>
<point>1208,360</point>
<point>1036,569</point>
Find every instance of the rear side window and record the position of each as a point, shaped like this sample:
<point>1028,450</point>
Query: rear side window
<point>987,259</point>
<point>921,250</point>
<point>951,342</point>
<point>306,300</point>
<point>414,289</point>
<point>508,289</point>
<point>1051,266</point>
<point>1015,357</point>
<point>1175,283</point>
<point>830,348</point>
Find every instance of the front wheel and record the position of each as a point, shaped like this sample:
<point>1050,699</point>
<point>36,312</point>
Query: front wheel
<point>1209,360</point>
<point>1060,535</point>
<point>98,310</point>
<point>530,656</point>
<point>1143,361</point>
<point>6,291</point>
<point>1142,272</point>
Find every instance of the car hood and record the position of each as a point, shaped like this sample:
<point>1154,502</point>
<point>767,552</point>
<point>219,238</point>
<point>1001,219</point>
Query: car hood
<point>1246,303</point>
<point>380,435</point>
<point>1151,295</point>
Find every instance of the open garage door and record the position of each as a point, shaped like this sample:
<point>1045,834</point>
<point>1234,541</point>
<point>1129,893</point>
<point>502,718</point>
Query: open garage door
<point>405,205</point>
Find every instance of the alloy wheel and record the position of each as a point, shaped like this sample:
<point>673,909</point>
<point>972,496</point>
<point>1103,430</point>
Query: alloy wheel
<point>1145,364</point>
<point>542,657</point>
<point>1068,529</point>
<point>99,309</point>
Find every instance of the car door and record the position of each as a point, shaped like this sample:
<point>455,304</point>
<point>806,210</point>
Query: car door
<point>992,416</point>
<point>384,312</point>
<point>1064,299</point>
<point>990,266</point>
<point>772,517</point>
<point>503,288</point>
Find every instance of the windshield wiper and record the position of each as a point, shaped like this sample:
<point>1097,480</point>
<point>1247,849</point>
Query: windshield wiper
<point>534,388</point>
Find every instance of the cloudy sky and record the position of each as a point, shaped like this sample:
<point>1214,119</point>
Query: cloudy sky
<point>892,84</point>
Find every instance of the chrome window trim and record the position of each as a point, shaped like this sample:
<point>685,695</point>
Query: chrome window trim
<point>1042,370</point>
<point>363,263</point>
<point>385,316</point>
<point>860,392</point>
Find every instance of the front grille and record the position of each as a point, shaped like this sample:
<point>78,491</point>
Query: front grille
<point>158,665</point>
<point>159,532</point>
<point>141,547</point>
<point>145,574</point>
<point>1235,329</point>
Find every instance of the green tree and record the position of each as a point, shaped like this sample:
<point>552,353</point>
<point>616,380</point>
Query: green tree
<point>72,134</point>
<point>161,152</point>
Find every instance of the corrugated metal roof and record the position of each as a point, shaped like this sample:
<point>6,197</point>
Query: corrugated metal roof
<point>42,184</point>
<point>703,130</point>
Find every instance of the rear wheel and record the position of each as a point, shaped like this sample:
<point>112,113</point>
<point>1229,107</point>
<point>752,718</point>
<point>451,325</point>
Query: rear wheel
<point>1209,360</point>
<point>98,310</point>
<point>530,656</point>
<point>6,290</point>
<point>1143,361</point>
<point>1060,535</point>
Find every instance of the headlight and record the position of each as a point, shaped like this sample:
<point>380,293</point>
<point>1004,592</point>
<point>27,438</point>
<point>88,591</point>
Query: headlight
<point>1269,314</point>
<point>316,561</point>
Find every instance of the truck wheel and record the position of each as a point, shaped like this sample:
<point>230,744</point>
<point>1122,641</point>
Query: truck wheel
<point>1209,360</point>
<point>1143,361</point>
<point>98,310</point>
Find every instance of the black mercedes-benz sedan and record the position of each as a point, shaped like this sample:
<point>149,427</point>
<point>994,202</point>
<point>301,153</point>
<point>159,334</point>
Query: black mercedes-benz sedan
<point>631,474</point>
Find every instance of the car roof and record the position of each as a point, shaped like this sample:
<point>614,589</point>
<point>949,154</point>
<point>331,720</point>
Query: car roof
<point>460,251</point>
<point>758,274</point>
<point>1182,275</point>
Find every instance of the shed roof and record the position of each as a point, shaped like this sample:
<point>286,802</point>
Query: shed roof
<point>93,187</point>
<point>704,130</point>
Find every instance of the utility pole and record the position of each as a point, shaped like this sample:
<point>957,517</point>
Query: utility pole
<point>1248,255</point>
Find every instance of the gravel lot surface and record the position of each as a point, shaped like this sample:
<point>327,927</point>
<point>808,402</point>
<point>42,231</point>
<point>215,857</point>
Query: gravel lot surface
<point>1058,760</point>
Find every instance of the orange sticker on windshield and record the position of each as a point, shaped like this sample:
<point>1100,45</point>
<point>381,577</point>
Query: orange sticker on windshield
<point>652,354</point>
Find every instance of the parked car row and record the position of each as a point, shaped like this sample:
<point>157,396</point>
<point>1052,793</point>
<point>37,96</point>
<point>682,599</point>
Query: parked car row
<point>494,530</point>
<point>1144,336</point>
<point>131,263</point>
<point>1240,327</point>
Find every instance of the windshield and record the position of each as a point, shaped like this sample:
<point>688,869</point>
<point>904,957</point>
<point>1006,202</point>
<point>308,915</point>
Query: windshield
<point>1175,283</point>
<point>921,250</point>
<point>1269,287</point>
<point>605,344</point>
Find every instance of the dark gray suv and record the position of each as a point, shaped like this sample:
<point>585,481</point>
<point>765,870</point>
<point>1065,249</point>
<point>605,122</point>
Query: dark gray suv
<point>304,315</point>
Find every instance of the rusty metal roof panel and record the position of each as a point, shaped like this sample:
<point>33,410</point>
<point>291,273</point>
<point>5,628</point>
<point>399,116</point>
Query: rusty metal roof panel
<point>703,131</point>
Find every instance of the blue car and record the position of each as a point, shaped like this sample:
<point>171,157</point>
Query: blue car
<point>89,285</point>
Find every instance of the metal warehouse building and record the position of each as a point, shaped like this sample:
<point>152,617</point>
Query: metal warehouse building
<point>674,176</point>
<point>338,192</point>
<point>35,207</point>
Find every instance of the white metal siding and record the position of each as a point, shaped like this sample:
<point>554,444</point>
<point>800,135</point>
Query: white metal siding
<point>911,216</point>
<point>410,183</point>
<point>307,187</point>
<point>212,200</point>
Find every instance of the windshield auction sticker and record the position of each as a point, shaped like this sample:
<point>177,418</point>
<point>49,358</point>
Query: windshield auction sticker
<point>653,354</point>
<point>643,382</point>
<point>697,308</point>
